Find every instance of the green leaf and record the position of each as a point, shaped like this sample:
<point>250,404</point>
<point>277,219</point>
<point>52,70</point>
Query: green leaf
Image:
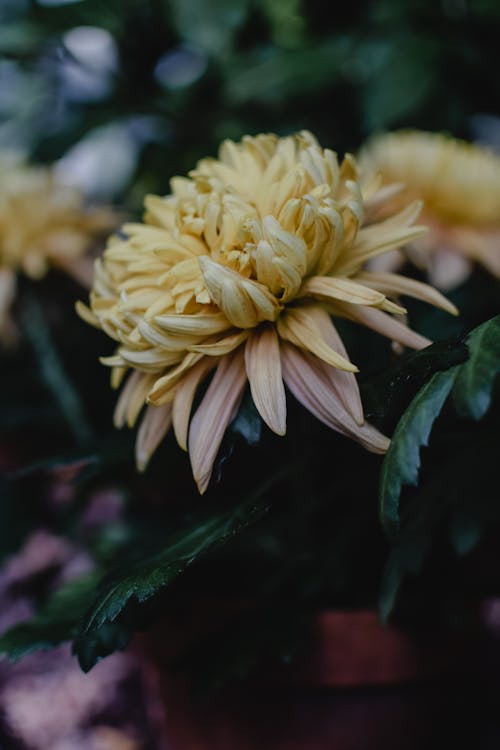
<point>474,384</point>
<point>56,621</point>
<point>386,395</point>
<point>449,497</point>
<point>402,462</point>
<point>136,584</point>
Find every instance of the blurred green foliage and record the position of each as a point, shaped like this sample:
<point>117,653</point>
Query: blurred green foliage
<point>174,77</point>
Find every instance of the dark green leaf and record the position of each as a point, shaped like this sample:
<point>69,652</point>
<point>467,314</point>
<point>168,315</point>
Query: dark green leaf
<point>146,577</point>
<point>474,383</point>
<point>56,621</point>
<point>386,395</point>
<point>402,462</point>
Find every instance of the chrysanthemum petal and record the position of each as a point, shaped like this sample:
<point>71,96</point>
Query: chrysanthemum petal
<point>479,244</point>
<point>324,287</point>
<point>382,323</point>
<point>222,346</point>
<point>291,279</point>
<point>169,342</point>
<point>251,253</point>
<point>194,325</point>
<point>184,396</point>
<point>244,302</point>
<point>286,244</point>
<point>344,383</point>
<point>132,398</point>
<point>87,315</point>
<point>150,360</point>
<point>214,415</point>
<point>163,390</point>
<point>379,238</point>
<point>448,269</point>
<point>154,426</point>
<point>306,382</point>
<point>113,361</point>
<point>394,284</point>
<point>263,366</point>
<point>302,326</point>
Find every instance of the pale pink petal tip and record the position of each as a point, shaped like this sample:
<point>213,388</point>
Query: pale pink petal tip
<point>214,414</point>
<point>263,366</point>
<point>154,426</point>
<point>307,379</point>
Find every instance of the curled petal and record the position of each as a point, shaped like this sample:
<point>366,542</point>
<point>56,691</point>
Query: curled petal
<point>87,315</point>
<point>193,325</point>
<point>263,366</point>
<point>214,415</point>
<point>267,272</point>
<point>149,360</point>
<point>290,278</point>
<point>154,426</point>
<point>113,361</point>
<point>244,302</point>
<point>221,347</point>
<point>325,287</point>
<point>163,390</point>
<point>168,342</point>
<point>303,326</point>
<point>286,245</point>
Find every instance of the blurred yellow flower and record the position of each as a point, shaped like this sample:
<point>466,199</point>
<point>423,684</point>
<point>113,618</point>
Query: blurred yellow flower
<point>43,224</point>
<point>459,184</point>
<point>239,270</point>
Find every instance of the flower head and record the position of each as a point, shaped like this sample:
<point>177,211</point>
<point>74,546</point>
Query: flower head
<point>43,224</point>
<point>240,270</point>
<point>459,184</point>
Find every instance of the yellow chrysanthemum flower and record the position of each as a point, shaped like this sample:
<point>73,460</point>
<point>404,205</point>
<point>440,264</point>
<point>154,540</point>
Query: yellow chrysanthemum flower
<point>239,270</point>
<point>42,224</point>
<point>459,184</point>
